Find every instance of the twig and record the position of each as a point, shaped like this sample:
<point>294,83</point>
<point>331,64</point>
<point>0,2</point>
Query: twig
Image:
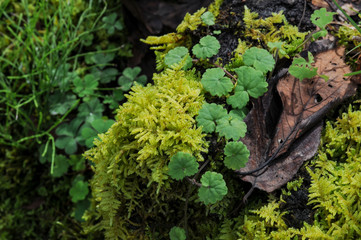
<point>303,13</point>
<point>194,182</point>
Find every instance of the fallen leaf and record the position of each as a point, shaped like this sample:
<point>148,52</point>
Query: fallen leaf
<point>284,144</point>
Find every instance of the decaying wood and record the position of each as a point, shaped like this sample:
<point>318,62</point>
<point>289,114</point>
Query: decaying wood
<point>281,138</point>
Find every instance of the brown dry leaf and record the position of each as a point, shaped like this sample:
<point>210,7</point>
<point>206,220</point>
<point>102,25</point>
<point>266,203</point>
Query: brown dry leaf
<point>295,138</point>
<point>321,4</point>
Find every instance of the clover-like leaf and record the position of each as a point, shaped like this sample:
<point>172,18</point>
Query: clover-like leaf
<point>61,166</point>
<point>97,126</point>
<point>321,17</point>
<point>111,24</point>
<point>182,165</point>
<point>239,99</point>
<point>215,83</point>
<point>208,115</point>
<point>130,75</point>
<point>79,190</point>
<point>231,128</point>
<point>90,110</point>
<point>251,80</point>
<point>177,233</point>
<point>60,102</point>
<point>176,55</point>
<point>114,99</point>
<point>301,68</point>
<point>237,155</point>
<point>207,47</point>
<point>101,59</point>
<point>259,58</point>
<point>67,134</point>
<point>208,18</point>
<point>213,188</point>
<point>77,162</point>
<point>85,86</point>
<point>105,75</point>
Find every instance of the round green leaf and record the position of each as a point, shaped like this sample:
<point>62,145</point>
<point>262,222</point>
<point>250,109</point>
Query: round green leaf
<point>321,17</point>
<point>88,134</point>
<point>231,128</point>
<point>61,165</point>
<point>213,188</point>
<point>239,99</point>
<point>69,144</point>
<point>213,81</point>
<point>208,18</point>
<point>239,113</point>
<point>176,55</point>
<point>251,80</point>
<point>208,115</point>
<point>177,233</point>
<point>79,190</point>
<point>237,155</point>
<point>182,165</point>
<point>259,58</point>
<point>207,47</point>
<point>102,125</point>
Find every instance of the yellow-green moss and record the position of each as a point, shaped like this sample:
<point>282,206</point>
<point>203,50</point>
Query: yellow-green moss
<point>130,160</point>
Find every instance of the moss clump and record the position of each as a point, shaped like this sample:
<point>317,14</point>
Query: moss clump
<point>131,185</point>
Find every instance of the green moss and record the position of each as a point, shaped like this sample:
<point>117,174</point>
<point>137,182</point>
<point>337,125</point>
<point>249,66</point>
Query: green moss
<point>131,159</point>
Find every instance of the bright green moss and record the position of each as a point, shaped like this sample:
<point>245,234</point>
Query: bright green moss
<point>130,160</point>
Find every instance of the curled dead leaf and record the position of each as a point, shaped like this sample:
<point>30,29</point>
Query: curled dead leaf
<point>280,141</point>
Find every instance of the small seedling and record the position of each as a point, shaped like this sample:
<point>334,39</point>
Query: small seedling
<point>207,47</point>
<point>259,58</point>
<point>177,233</point>
<point>208,18</point>
<point>176,56</point>
<point>215,83</point>
<point>79,189</point>
<point>213,188</point>
<point>301,68</point>
<point>237,155</point>
<point>182,165</point>
<point>231,128</point>
<point>208,115</point>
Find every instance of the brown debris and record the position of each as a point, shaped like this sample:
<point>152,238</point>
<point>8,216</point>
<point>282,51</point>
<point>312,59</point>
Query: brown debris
<point>295,137</point>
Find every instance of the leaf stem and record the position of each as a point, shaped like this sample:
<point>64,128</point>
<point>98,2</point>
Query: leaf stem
<point>228,73</point>
<point>194,182</point>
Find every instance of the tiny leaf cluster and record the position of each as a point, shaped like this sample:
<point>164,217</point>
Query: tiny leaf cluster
<point>248,82</point>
